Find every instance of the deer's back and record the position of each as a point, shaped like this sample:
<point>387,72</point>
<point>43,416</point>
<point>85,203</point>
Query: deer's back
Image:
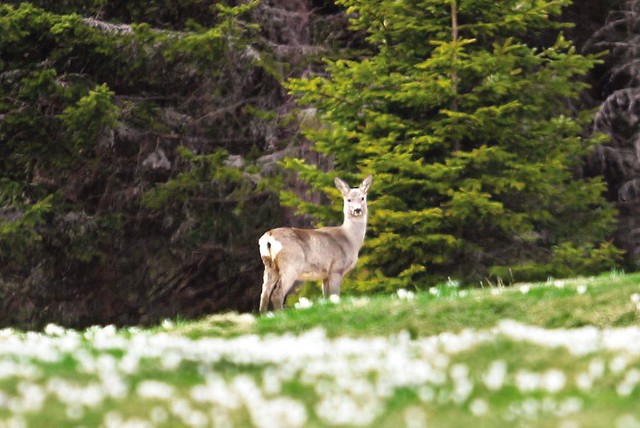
<point>315,251</point>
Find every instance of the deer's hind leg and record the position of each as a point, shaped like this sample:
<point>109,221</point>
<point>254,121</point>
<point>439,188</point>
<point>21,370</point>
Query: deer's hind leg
<point>286,283</point>
<point>269,283</point>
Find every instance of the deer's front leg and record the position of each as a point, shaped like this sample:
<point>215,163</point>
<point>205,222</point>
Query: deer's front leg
<point>331,285</point>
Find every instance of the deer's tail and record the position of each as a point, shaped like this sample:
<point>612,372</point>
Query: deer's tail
<point>269,249</point>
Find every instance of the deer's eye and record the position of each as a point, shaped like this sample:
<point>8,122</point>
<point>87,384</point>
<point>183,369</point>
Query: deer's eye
<point>362,198</point>
<point>348,200</point>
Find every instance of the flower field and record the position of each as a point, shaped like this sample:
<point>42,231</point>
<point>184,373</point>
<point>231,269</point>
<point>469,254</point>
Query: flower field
<point>563,353</point>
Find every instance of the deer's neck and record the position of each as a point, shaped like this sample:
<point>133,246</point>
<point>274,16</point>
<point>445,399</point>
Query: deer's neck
<point>355,228</point>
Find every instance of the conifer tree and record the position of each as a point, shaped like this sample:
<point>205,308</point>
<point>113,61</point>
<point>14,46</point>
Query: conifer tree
<point>464,116</point>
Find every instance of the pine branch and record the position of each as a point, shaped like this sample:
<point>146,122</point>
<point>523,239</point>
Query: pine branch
<point>108,27</point>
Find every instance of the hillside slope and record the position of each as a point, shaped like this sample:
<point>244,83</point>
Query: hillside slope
<point>563,353</point>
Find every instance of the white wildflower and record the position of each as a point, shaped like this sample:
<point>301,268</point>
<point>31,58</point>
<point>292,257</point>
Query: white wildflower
<point>453,283</point>
<point>303,303</point>
<point>245,318</point>
<point>54,330</point>
<point>23,370</point>
<point>171,361</point>
<point>271,382</point>
<point>479,407</point>
<point>153,389</point>
<point>597,368</point>
<point>404,294</point>
<point>16,421</point>
<point>113,419</point>
<point>342,409</point>
<point>462,386</point>
<point>628,384</point>
<point>584,382</point>
<point>426,394</point>
<point>627,421</point>
<point>74,412</point>
<point>334,298</point>
<point>496,375</point>
<point>359,302</point>
<point>189,416</point>
<point>283,413</point>
<point>196,419</point>
<point>531,407</point>
<point>113,385</point>
<point>618,364</point>
<point>216,391</point>
<point>553,381</point>
<point>549,406</point>
<point>459,371</point>
<point>130,363</point>
<point>579,341</point>
<point>7,332</point>
<point>109,330</point>
<point>32,397</point>
<point>581,289</point>
<point>159,415</point>
<point>569,406</point>
<point>221,419</point>
<point>624,389</point>
<point>527,381</point>
<point>245,387</point>
<point>92,395</point>
<point>415,417</point>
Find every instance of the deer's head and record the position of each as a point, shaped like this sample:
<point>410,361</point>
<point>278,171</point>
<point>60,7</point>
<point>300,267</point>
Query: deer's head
<point>355,200</point>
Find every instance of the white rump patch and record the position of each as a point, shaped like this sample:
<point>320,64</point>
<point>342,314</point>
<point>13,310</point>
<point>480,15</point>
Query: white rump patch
<point>269,246</point>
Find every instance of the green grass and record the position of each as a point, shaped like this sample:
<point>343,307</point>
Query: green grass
<point>554,304</point>
<point>442,358</point>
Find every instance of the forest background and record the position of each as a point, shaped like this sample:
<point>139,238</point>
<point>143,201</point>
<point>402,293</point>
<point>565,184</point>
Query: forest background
<point>145,146</point>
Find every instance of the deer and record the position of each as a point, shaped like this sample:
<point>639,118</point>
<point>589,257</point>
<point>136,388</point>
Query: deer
<point>291,254</point>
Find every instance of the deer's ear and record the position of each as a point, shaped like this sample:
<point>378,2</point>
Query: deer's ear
<point>342,187</point>
<point>366,184</point>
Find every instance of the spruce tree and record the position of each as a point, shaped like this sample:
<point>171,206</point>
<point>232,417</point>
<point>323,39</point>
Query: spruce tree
<point>464,115</point>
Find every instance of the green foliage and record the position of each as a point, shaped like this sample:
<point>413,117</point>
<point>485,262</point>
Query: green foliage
<point>91,92</point>
<point>19,230</point>
<point>566,260</point>
<point>50,119</point>
<point>91,116</point>
<point>206,171</point>
<point>469,134</point>
<point>215,193</point>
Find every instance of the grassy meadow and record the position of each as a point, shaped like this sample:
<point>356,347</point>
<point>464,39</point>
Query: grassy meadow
<point>564,353</point>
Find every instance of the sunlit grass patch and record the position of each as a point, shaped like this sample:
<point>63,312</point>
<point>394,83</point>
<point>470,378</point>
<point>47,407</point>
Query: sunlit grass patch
<point>223,325</point>
<point>601,301</point>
